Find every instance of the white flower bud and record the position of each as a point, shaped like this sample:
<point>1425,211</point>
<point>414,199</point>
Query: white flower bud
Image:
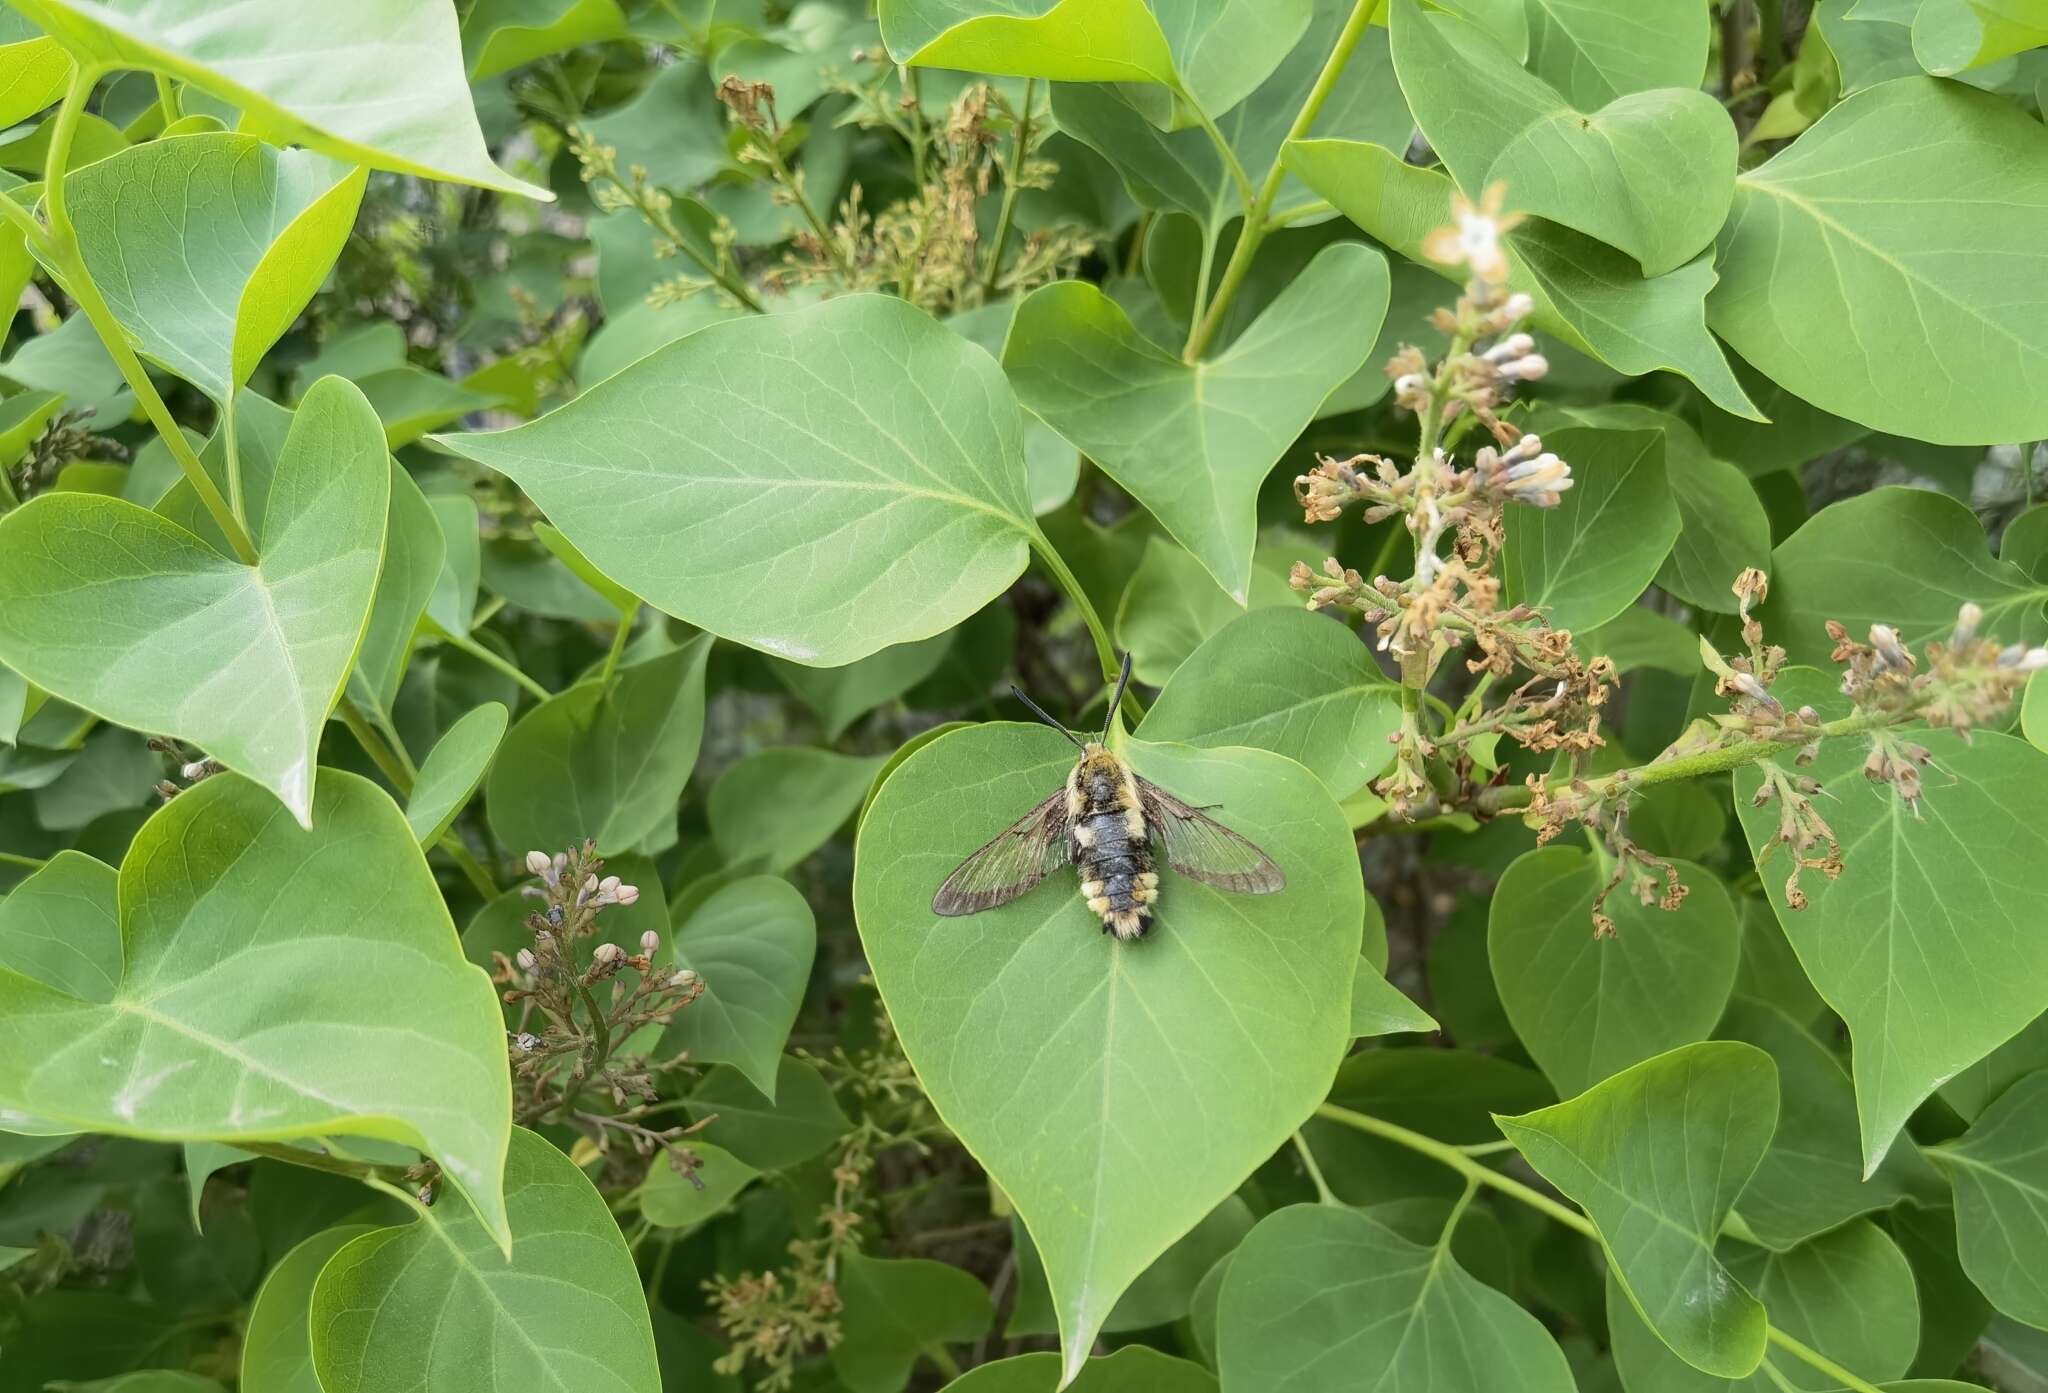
<point>608,955</point>
<point>650,941</point>
<point>608,884</point>
<point>1409,383</point>
<point>1517,308</point>
<point>1525,369</point>
<point>1512,347</point>
<point>627,894</point>
<point>683,979</point>
<point>537,863</point>
<point>526,960</point>
<point>1967,620</point>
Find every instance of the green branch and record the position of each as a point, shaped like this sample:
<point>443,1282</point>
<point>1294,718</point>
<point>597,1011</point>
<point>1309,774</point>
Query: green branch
<point>1105,650</point>
<point>1020,148</point>
<point>1258,218</point>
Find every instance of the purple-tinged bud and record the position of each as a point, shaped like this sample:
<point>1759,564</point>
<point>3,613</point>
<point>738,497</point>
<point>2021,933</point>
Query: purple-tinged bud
<point>1967,620</point>
<point>608,884</point>
<point>627,894</point>
<point>1749,686</point>
<point>1890,652</point>
<point>537,863</point>
<point>1512,347</point>
<point>527,1041</point>
<point>2031,660</point>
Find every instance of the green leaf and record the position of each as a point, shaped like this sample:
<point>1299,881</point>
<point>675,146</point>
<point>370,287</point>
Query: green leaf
<point>1066,40</point>
<point>885,502</point>
<point>606,761</point>
<point>207,247</point>
<point>2000,1170</point>
<point>1951,36</point>
<point>452,771</point>
<point>1843,564</point>
<point>1593,51</point>
<point>1848,1294</point>
<point>802,1122</point>
<point>563,1309</point>
<point>1587,1006</point>
<point>1132,1369</point>
<point>1291,682</point>
<point>1222,50</point>
<point>1921,945</point>
<point>1640,638</point>
<point>413,555</point>
<point>1193,441</point>
<point>675,130</point>
<point>1378,1007</point>
<point>411,401</point>
<point>1722,526</point>
<point>1651,172</point>
<point>752,942</point>
<point>375,1025</point>
<point>1592,297</point>
<point>244,661</point>
<point>61,926</point>
<point>1170,607</point>
<point>34,71</point>
<point>1974,1090</point>
<point>142,1381</point>
<point>307,73</point>
<point>1590,557</point>
<point>1656,1155</point>
<point>277,1350</point>
<point>1174,1065</point>
<point>842,695</point>
<point>895,1310</point>
<point>500,35</point>
<point>452,606</point>
<point>1320,1295</point>
<point>1811,1180</point>
<point>671,1200</point>
<point>564,551</point>
<point>774,808</point>
<point>1861,303</point>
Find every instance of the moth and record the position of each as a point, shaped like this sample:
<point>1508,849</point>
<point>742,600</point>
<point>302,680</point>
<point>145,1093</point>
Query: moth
<point>1106,823</point>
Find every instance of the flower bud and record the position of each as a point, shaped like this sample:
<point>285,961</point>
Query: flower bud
<point>627,894</point>
<point>608,884</point>
<point>537,863</point>
<point>650,941</point>
<point>1517,307</point>
<point>683,979</point>
<point>1527,368</point>
<point>526,960</point>
<point>1890,652</point>
<point>1512,347</point>
<point>527,1041</point>
<point>1967,620</point>
<point>608,954</point>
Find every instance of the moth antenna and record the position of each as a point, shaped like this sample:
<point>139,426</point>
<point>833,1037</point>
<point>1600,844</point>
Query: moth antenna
<point>1116,698</point>
<point>1039,712</point>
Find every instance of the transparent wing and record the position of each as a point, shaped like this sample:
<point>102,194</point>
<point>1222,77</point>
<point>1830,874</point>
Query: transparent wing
<point>1016,859</point>
<point>1203,849</point>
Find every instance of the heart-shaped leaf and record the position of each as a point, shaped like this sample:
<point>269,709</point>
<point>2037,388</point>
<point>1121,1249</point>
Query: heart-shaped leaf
<point>563,1309</point>
<point>244,661</point>
<point>1193,441</point>
<point>1848,1294</point>
<point>1163,1292</point>
<point>500,35</point>
<point>277,1349</point>
<point>2000,1170</point>
<point>1862,269</point>
<point>1656,1155</point>
<point>803,1120</point>
<point>1173,1065</point>
<point>1651,172</point>
<point>1918,890</point>
<point>752,942</point>
<point>606,761</point>
<point>1378,1007</point>
<point>1287,681</point>
<point>1593,51</point>
<point>372,1022</point>
<point>671,1200</point>
<point>452,770</point>
<point>896,1311</point>
<point>1589,558</point>
<point>34,70</point>
<point>1587,1005</point>
<point>309,73</point>
<point>1318,1293</point>
<point>1169,608</point>
<point>886,502</point>
<point>413,555</point>
<point>1592,297</point>
<point>207,247</point>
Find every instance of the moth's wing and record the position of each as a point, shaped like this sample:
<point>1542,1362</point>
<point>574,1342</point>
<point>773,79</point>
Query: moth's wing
<point>1014,860</point>
<point>1203,849</point>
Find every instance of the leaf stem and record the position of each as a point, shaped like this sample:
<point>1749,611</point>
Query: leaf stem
<point>1821,1362</point>
<point>473,869</point>
<point>620,638</point>
<point>943,1359</point>
<point>465,644</point>
<point>374,745</point>
<point>60,244</point>
<point>1457,1160</point>
<point>1105,651</point>
<point>31,863</point>
<point>1019,147</point>
<point>1324,1194</point>
<point>1257,222</point>
<point>167,98</point>
<point>317,1160</point>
